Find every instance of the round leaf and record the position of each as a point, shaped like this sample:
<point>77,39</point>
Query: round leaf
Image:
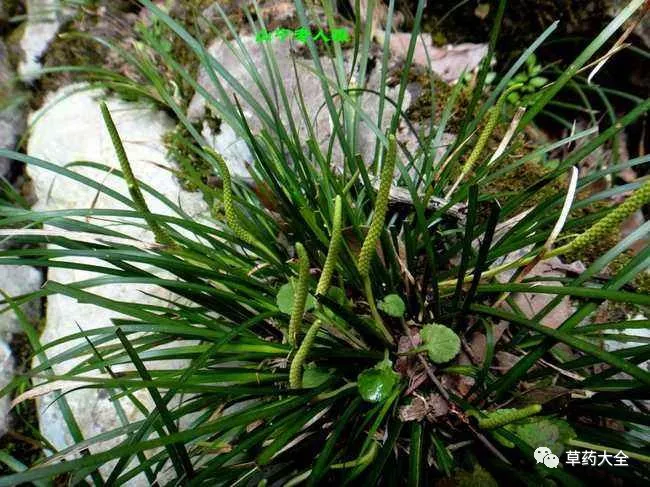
<point>441,343</point>
<point>284,299</point>
<point>549,432</point>
<point>314,376</point>
<point>392,305</point>
<point>531,60</point>
<point>538,81</point>
<point>338,295</point>
<point>376,384</point>
<point>513,97</point>
<point>520,78</point>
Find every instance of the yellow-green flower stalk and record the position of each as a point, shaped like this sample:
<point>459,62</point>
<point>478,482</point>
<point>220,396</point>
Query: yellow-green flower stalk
<point>333,250</point>
<point>381,206</point>
<point>228,205</point>
<point>295,370</point>
<point>299,294</point>
<point>376,226</point>
<point>502,417</point>
<point>611,222</point>
<point>492,118</point>
<point>160,234</point>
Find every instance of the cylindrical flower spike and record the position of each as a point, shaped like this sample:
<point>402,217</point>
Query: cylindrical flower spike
<point>299,294</point>
<point>381,206</point>
<point>333,250</point>
<point>492,117</point>
<point>612,221</point>
<point>295,370</point>
<point>502,417</point>
<point>228,205</point>
<point>161,235</point>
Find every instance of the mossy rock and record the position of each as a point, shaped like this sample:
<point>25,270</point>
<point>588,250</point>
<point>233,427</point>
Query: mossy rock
<point>12,42</point>
<point>111,20</point>
<point>479,477</point>
<point>194,171</point>
<point>428,100</point>
<point>523,177</point>
<point>641,282</point>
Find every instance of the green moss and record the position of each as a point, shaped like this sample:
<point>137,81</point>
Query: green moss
<point>641,282</point>
<point>429,101</point>
<point>439,39</point>
<point>194,171</point>
<point>479,477</point>
<point>110,20</point>
<point>522,177</point>
<point>12,42</point>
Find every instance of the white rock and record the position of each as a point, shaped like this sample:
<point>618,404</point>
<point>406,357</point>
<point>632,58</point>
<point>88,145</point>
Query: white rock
<point>6,375</point>
<point>232,148</point>
<point>232,62</point>
<point>70,128</point>
<point>44,19</point>
<point>15,281</point>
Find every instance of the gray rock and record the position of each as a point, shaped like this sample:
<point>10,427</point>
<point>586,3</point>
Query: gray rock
<point>229,140</point>
<point>70,128</point>
<point>6,375</point>
<point>16,281</point>
<point>44,19</point>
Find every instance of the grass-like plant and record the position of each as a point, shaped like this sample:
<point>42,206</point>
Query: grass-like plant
<point>382,301</point>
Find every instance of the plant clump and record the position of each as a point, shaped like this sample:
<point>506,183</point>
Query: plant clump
<point>312,332</point>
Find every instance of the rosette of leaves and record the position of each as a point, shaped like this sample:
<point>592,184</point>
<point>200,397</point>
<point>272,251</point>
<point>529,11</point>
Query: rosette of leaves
<point>200,379</point>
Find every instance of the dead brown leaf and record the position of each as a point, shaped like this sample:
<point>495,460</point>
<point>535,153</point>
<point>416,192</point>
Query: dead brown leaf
<point>482,10</point>
<point>505,361</point>
<point>532,303</point>
<point>431,407</point>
